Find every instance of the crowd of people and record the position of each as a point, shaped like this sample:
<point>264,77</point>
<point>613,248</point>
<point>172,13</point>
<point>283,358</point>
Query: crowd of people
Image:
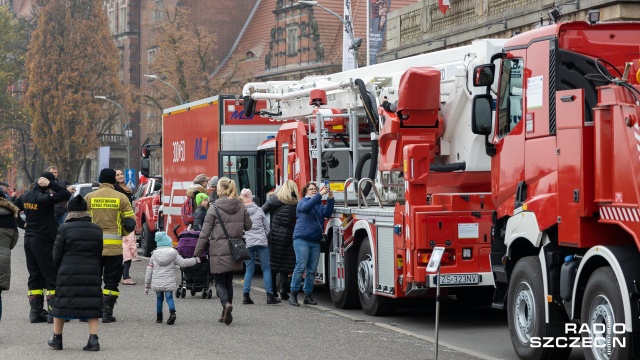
<point>93,244</point>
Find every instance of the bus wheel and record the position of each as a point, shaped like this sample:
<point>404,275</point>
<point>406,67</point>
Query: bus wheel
<point>372,304</point>
<point>602,305</point>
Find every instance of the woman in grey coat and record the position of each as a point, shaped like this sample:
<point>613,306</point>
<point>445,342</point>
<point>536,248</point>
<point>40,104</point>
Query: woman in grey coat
<point>8,240</point>
<point>236,219</point>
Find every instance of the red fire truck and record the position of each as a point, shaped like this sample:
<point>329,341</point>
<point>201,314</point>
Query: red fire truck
<point>212,136</point>
<point>564,140</point>
<point>394,143</point>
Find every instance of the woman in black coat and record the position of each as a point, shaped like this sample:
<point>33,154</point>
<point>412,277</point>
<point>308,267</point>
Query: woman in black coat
<point>282,209</point>
<point>76,253</point>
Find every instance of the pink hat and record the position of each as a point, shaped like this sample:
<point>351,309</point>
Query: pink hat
<point>246,196</point>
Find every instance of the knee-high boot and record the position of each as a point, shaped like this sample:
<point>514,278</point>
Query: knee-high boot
<point>283,286</point>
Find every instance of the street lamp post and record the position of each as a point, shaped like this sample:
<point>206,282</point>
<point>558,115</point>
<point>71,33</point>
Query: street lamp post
<point>355,42</point>
<point>128,133</point>
<point>155,77</point>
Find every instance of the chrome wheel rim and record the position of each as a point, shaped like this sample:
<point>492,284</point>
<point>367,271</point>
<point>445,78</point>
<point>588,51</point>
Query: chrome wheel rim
<point>601,312</point>
<point>365,277</point>
<point>524,313</point>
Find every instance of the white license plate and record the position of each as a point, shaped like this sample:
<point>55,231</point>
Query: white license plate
<point>457,279</point>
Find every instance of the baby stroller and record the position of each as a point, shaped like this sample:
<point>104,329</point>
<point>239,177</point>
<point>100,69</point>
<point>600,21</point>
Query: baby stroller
<point>194,278</point>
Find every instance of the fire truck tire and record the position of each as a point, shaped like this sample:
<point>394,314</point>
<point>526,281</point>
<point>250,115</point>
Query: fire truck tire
<point>603,303</point>
<point>525,312</point>
<point>348,298</point>
<point>371,303</point>
<point>147,241</point>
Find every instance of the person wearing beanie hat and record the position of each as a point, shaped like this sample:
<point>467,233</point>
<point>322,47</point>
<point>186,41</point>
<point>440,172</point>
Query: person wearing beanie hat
<point>76,253</point>
<point>257,245</point>
<point>111,210</point>
<point>213,189</point>
<point>40,232</point>
<point>202,202</point>
<point>107,176</point>
<point>161,274</point>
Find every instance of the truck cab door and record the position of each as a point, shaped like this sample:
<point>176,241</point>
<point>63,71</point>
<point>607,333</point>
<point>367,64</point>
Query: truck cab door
<point>242,167</point>
<point>509,139</point>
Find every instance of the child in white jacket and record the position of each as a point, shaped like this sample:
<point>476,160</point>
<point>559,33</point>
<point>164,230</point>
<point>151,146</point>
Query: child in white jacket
<point>161,274</point>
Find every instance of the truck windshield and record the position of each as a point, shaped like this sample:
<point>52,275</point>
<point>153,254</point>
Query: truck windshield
<point>510,101</point>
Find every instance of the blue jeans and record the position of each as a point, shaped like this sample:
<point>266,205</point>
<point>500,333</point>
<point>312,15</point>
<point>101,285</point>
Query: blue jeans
<point>307,256</point>
<point>262,252</point>
<point>160,295</point>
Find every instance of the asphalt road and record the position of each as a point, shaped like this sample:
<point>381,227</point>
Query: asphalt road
<point>258,331</point>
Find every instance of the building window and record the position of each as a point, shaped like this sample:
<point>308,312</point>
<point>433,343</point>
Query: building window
<point>292,41</point>
<point>122,18</point>
<point>151,56</point>
<point>157,11</point>
<point>112,21</point>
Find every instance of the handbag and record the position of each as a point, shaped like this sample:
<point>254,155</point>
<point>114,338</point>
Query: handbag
<point>324,240</point>
<point>237,246</point>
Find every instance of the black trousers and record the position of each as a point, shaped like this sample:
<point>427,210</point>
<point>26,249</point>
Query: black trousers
<point>42,270</point>
<point>111,274</point>
<point>224,287</point>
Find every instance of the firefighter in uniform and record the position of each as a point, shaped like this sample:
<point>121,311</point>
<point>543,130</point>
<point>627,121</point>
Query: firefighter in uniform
<point>111,210</point>
<point>40,233</point>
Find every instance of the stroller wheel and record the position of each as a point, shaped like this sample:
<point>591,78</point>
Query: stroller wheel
<point>209,294</point>
<point>204,293</point>
<point>193,292</point>
<point>183,292</point>
<point>178,292</point>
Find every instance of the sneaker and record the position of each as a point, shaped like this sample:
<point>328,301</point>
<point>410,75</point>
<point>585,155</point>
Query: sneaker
<point>136,259</point>
<point>128,281</point>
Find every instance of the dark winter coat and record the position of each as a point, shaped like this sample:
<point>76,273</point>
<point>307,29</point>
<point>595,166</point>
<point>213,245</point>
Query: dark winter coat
<point>60,208</point>
<point>310,215</point>
<point>38,204</point>
<point>283,221</point>
<point>199,216</point>
<point>8,240</point>
<point>236,219</point>
<point>76,253</point>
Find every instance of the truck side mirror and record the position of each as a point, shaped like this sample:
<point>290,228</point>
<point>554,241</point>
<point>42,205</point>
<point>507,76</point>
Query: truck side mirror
<point>483,75</point>
<point>481,114</point>
<point>144,166</point>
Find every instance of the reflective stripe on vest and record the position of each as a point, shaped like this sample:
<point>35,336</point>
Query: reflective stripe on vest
<point>111,239</point>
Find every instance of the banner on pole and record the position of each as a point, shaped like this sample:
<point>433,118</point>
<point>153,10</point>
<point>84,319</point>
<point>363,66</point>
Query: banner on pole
<point>103,157</point>
<point>348,61</point>
<point>378,10</point>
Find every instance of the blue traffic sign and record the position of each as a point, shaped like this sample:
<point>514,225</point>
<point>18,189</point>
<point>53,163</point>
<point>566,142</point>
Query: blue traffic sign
<point>130,178</point>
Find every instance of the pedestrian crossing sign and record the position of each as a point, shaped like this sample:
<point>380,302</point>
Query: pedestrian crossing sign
<point>129,178</point>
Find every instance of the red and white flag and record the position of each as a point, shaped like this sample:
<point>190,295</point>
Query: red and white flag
<point>444,5</point>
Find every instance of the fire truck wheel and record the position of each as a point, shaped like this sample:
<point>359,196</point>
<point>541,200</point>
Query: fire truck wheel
<point>147,241</point>
<point>372,304</point>
<point>347,298</point>
<point>525,312</point>
<point>602,304</point>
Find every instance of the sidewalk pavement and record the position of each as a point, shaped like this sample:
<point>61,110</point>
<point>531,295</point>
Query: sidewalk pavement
<point>258,331</point>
